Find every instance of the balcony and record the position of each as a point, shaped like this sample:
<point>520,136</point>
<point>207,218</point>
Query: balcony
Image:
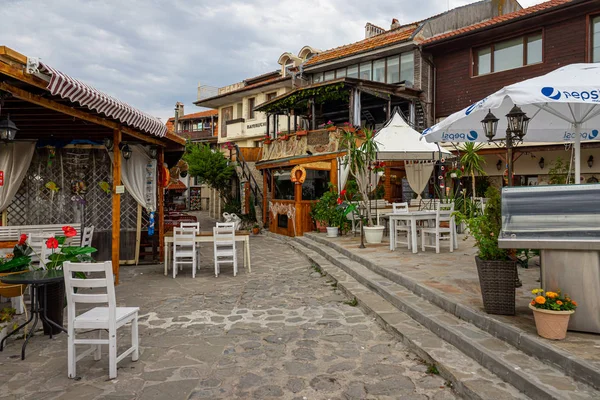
<point>234,128</point>
<point>301,143</point>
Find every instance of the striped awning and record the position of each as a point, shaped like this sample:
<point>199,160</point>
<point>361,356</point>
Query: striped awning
<point>76,91</point>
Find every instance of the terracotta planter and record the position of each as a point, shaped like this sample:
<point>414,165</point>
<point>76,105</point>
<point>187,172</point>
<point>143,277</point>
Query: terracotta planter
<point>256,231</point>
<point>332,129</point>
<point>374,234</point>
<point>11,290</point>
<point>268,141</point>
<point>551,324</point>
<point>321,227</point>
<point>299,134</point>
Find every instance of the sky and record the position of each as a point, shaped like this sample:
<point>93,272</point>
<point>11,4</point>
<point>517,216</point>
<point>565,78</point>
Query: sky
<point>153,53</point>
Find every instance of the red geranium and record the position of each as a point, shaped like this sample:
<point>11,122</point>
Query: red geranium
<point>52,243</point>
<point>23,240</point>
<point>69,231</point>
<point>339,200</point>
<point>343,193</point>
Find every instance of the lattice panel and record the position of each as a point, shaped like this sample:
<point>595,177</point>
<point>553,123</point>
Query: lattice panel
<point>36,203</point>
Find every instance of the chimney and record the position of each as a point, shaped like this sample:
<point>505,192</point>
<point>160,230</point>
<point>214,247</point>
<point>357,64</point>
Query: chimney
<point>395,24</point>
<point>178,114</point>
<point>372,30</point>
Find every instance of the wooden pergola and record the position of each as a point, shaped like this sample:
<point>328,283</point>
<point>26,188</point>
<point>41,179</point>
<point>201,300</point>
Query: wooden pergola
<point>41,115</point>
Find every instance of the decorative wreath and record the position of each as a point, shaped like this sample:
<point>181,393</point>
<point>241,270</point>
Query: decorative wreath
<point>298,174</point>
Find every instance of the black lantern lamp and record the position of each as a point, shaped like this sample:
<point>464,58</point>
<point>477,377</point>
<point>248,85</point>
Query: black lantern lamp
<point>523,130</point>
<point>516,118</point>
<point>125,150</point>
<point>490,124</point>
<point>499,165</point>
<point>590,161</point>
<point>8,129</point>
<point>541,163</point>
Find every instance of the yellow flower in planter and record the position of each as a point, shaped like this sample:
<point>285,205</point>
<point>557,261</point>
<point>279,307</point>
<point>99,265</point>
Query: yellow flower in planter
<point>540,299</point>
<point>552,295</point>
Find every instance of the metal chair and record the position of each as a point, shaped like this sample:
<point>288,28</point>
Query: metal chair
<point>184,250</point>
<point>87,236</point>
<point>444,215</point>
<point>224,246</point>
<point>109,318</point>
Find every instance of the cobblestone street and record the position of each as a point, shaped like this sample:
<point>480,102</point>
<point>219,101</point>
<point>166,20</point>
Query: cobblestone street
<point>283,331</point>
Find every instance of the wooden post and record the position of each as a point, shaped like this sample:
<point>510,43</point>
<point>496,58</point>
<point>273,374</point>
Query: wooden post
<point>138,234</point>
<point>313,116</point>
<point>351,108</point>
<point>333,175</point>
<point>116,205</point>
<point>298,226</point>
<point>295,123</point>
<point>159,223</point>
<point>264,199</point>
<point>4,218</point>
<point>289,127</point>
<point>268,125</point>
<point>388,112</point>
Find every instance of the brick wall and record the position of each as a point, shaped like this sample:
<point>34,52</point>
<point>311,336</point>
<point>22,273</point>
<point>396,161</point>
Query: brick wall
<point>564,42</point>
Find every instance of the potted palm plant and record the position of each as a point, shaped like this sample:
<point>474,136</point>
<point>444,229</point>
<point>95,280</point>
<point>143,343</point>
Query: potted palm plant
<point>472,162</point>
<point>361,153</point>
<point>497,271</point>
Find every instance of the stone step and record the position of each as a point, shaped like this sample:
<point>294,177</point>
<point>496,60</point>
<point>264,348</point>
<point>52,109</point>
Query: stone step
<point>468,378</point>
<point>533,345</point>
<point>537,380</point>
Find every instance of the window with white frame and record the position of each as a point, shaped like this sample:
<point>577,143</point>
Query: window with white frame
<point>508,54</point>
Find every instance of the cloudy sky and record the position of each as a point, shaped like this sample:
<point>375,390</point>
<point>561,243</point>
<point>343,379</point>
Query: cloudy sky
<point>152,53</point>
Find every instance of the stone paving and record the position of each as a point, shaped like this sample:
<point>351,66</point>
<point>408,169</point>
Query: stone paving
<point>282,332</point>
<point>455,274</point>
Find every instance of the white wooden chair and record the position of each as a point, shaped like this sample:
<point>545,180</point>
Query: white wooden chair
<point>444,214</point>
<point>195,226</point>
<point>224,246</point>
<point>41,252</point>
<point>87,236</point>
<point>402,228</point>
<point>184,249</point>
<point>109,318</point>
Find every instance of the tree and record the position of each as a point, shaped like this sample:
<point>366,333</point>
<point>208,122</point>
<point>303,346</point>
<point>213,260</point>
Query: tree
<point>472,161</point>
<point>211,168</point>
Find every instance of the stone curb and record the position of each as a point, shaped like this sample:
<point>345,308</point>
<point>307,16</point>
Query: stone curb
<point>428,315</point>
<point>579,370</point>
<point>449,361</point>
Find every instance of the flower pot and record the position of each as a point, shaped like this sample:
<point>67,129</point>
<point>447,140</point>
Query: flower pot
<point>551,324</point>
<point>497,282</point>
<point>453,175</point>
<point>374,234</point>
<point>255,231</point>
<point>332,129</point>
<point>332,231</point>
<point>299,134</point>
<point>9,290</point>
<point>321,227</point>
<point>54,305</point>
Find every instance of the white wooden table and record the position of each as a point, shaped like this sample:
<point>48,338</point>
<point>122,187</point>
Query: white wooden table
<point>207,237</point>
<point>409,217</point>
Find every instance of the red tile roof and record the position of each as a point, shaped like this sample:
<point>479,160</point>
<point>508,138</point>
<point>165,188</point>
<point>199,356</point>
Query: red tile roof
<point>546,6</point>
<point>384,39</point>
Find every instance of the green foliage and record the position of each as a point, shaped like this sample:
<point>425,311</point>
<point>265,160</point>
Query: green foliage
<point>554,301</point>
<point>210,167</point>
<point>232,206</point>
<point>432,369</point>
<point>559,172</point>
<point>472,161</point>
<point>485,228</point>
<point>352,303</point>
<point>70,253</point>
<point>482,183</point>
<point>299,99</point>
<point>6,314</point>
<point>15,264</point>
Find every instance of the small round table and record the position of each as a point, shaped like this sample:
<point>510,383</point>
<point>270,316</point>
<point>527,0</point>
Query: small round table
<point>38,280</point>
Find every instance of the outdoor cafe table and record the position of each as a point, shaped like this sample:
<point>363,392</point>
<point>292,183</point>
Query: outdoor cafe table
<point>38,280</point>
<point>207,237</point>
<point>409,217</point>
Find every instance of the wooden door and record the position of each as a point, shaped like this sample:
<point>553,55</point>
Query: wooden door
<point>226,115</point>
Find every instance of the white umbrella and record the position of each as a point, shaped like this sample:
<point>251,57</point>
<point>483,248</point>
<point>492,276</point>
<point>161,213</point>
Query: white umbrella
<point>398,141</point>
<point>562,105</point>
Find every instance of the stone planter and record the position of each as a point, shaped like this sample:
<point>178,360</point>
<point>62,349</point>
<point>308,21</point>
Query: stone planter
<point>497,282</point>
<point>332,231</point>
<point>374,234</point>
<point>551,324</point>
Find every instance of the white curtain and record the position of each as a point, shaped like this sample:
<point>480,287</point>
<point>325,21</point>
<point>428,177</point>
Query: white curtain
<point>343,172</point>
<point>418,174</point>
<point>357,109</point>
<point>139,176</point>
<point>14,162</point>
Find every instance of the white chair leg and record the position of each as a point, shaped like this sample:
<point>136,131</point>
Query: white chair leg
<point>135,340</point>
<point>194,264</point>
<point>112,355</point>
<point>437,243</point>
<point>71,356</point>
<point>174,267</point>
<point>98,352</point>
<point>235,269</point>
<point>423,237</point>
<point>216,267</point>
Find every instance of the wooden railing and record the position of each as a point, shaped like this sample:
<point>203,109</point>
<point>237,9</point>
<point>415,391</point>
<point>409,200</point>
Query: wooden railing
<point>250,154</point>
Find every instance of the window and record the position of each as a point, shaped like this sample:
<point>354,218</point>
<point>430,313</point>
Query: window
<point>271,96</point>
<point>379,70</point>
<point>239,107</point>
<point>315,185</point>
<point>340,73</point>
<point>318,77</point>
<point>407,67</point>
<point>508,54</point>
<point>251,103</point>
<point>329,75</point>
<point>284,187</point>
<point>226,115</point>
<point>365,71</point>
<point>595,39</point>
<point>352,71</point>
<point>393,69</point>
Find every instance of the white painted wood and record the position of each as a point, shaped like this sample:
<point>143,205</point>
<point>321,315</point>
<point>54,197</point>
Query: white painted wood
<point>224,246</point>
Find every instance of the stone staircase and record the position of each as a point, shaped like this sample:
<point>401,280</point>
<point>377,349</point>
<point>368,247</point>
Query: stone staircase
<point>481,357</point>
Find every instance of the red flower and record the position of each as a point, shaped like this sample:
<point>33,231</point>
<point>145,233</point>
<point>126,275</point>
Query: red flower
<point>22,239</point>
<point>69,231</point>
<point>52,243</point>
<point>339,200</point>
<point>343,193</point>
